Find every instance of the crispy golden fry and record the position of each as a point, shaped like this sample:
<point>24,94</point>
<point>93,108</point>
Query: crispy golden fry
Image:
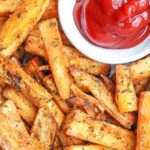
<point>55,53</point>
<point>16,77</point>
<point>8,6</point>
<point>20,23</point>
<point>35,44</point>
<point>25,108</point>
<point>143,130</point>
<point>90,109</point>
<point>108,83</point>
<point>69,140</point>
<point>44,130</point>
<point>51,87</point>
<point>87,147</point>
<point>13,134</point>
<point>140,69</point>
<point>84,105</point>
<point>141,86</point>
<point>81,126</point>
<point>89,65</point>
<point>55,112</point>
<point>104,96</point>
<point>77,92</point>
<point>125,93</point>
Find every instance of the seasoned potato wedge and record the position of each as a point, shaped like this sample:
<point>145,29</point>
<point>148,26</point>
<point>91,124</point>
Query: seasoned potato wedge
<point>125,93</point>
<point>7,7</point>
<point>104,96</point>
<point>13,133</point>
<point>44,130</point>
<point>25,108</point>
<point>77,92</point>
<point>89,65</point>
<point>51,87</point>
<point>143,130</point>
<point>140,69</point>
<point>81,126</point>
<point>56,57</point>
<point>21,81</point>
<point>20,23</point>
<point>56,113</point>
<point>87,147</point>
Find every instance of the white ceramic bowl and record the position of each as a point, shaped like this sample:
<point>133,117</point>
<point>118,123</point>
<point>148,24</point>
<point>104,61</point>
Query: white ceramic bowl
<point>113,56</point>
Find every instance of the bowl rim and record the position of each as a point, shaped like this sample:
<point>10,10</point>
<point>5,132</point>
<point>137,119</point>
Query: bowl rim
<point>110,56</point>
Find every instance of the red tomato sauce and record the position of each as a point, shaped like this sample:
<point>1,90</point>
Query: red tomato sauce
<point>113,23</point>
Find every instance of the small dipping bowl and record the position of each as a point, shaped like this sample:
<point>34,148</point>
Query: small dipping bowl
<point>110,56</point>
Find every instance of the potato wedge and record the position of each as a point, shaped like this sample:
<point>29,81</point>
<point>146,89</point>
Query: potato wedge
<point>44,130</point>
<point>89,66</point>
<point>125,93</point>
<point>56,113</point>
<point>81,126</point>
<point>25,108</point>
<point>21,81</point>
<point>87,147</point>
<point>13,133</point>
<point>77,92</point>
<point>20,23</point>
<point>56,57</point>
<point>104,96</point>
<point>140,69</point>
<point>143,129</point>
<point>89,108</point>
<point>51,87</point>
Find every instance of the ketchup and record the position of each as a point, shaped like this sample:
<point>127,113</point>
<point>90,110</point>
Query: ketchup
<point>113,23</point>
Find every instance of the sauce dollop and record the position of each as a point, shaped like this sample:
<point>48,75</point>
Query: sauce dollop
<point>113,23</point>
